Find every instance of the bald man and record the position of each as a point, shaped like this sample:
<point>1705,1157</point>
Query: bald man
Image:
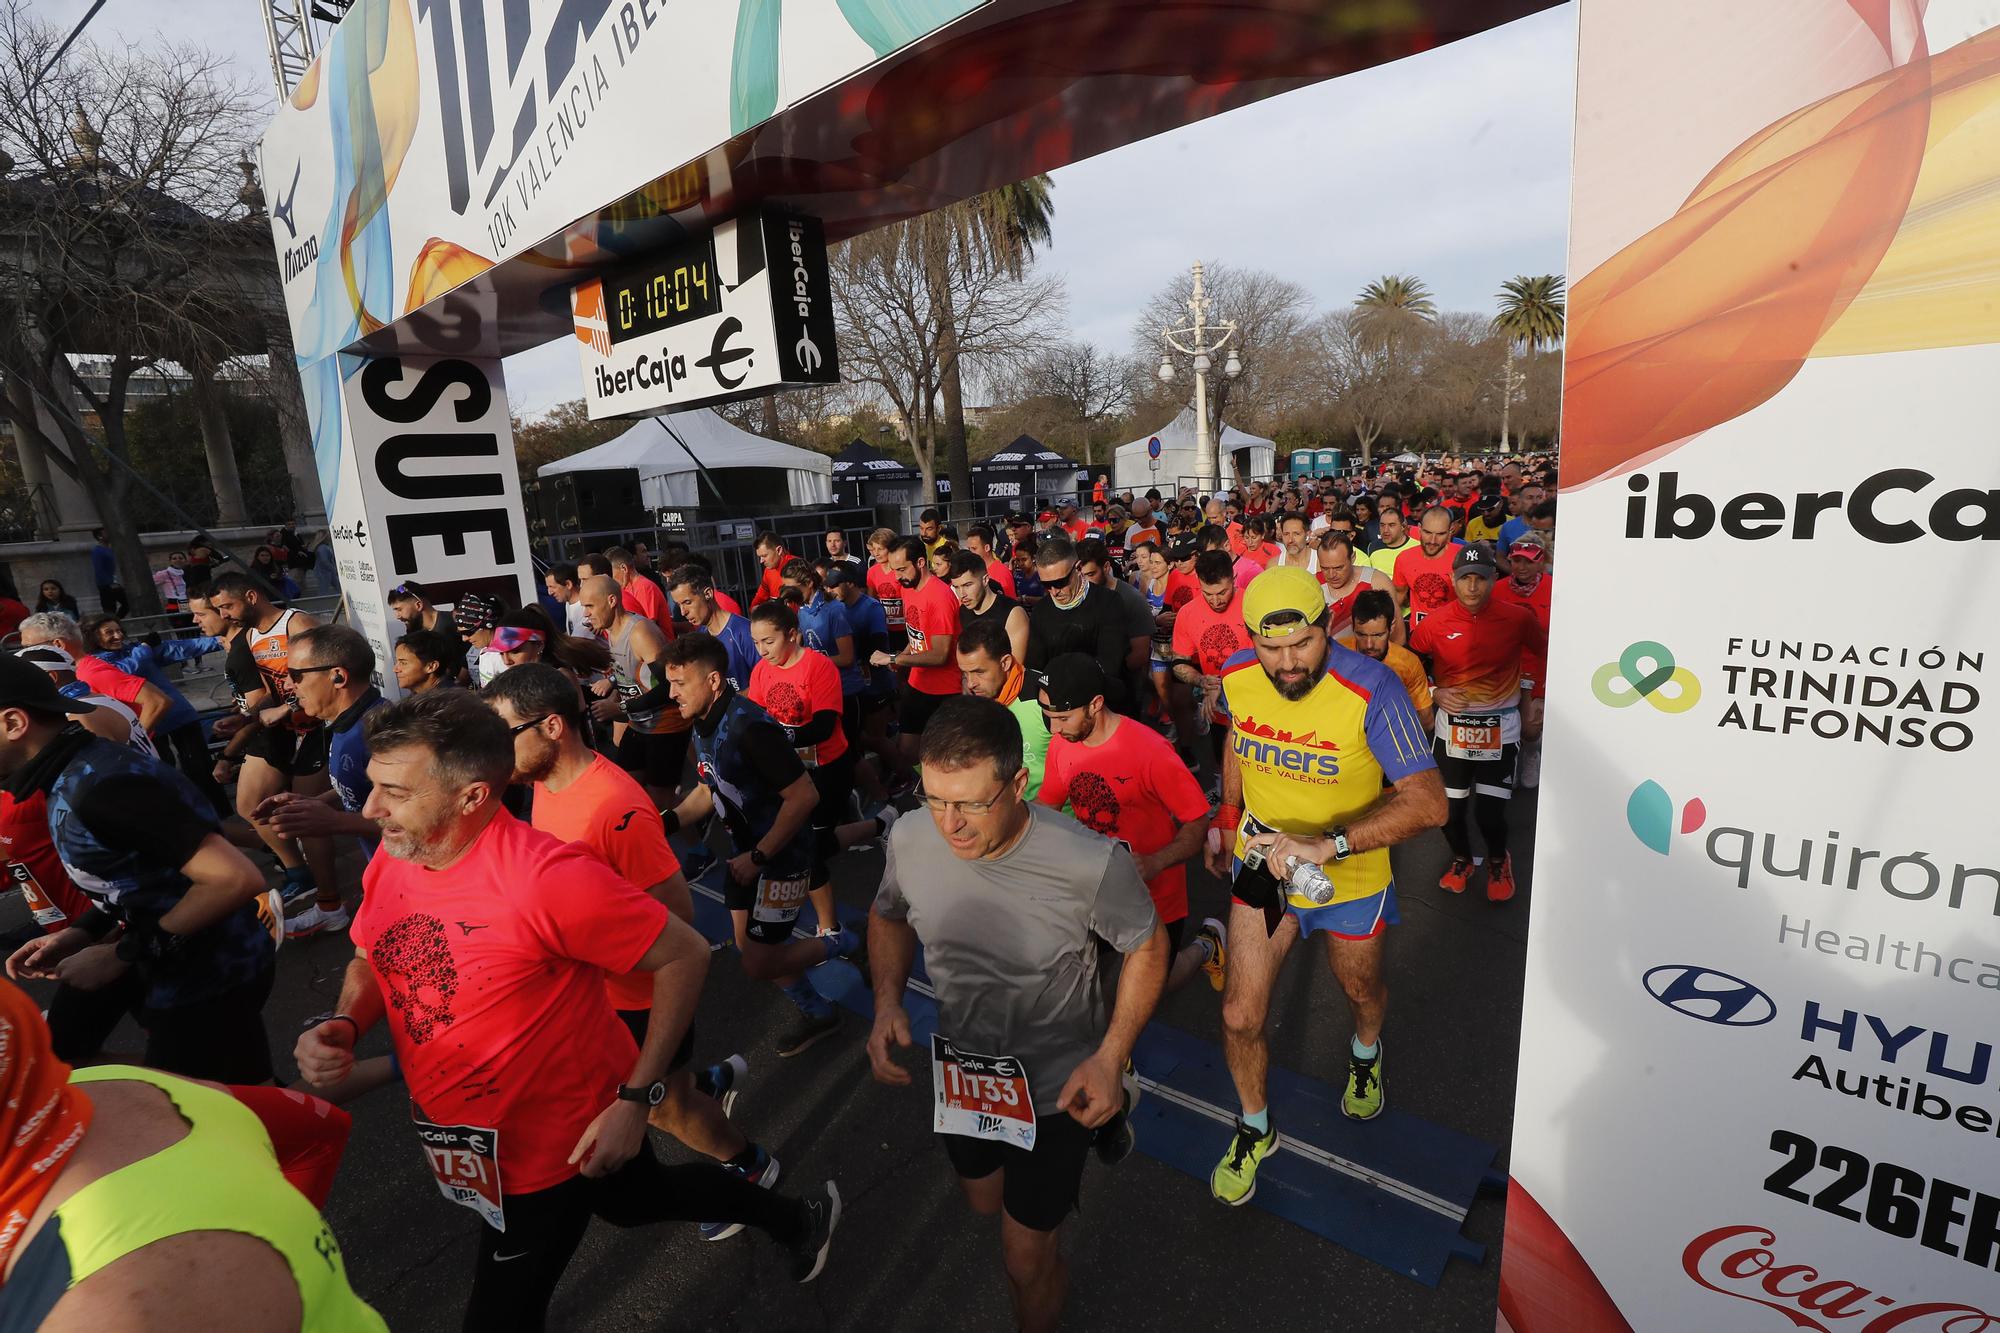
<point>652,741</point>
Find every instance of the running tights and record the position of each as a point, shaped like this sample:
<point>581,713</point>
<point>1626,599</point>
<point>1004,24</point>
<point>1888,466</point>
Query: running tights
<point>1491,815</point>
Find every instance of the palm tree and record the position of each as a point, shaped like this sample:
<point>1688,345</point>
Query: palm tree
<point>1531,316</point>
<point>998,230</point>
<point>1393,305</point>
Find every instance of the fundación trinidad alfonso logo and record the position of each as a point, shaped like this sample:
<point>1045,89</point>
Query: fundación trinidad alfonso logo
<point>1650,813</point>
<point>1646,670</point>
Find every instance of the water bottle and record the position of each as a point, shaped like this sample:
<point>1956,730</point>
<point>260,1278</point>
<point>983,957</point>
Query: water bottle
<point>1309,881</point>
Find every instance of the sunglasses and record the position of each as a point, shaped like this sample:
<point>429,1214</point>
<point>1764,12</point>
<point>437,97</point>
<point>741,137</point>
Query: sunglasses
<point>530,724</point>
<point>297,674</point>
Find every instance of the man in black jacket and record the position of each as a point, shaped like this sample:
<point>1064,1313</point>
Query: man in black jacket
<point>1075,616</point>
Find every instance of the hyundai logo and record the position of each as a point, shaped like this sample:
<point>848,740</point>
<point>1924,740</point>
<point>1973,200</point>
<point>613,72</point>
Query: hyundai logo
<point>1711,996</point>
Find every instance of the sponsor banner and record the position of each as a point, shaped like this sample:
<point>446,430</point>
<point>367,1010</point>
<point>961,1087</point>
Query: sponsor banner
<point>428,491</point>
<point>432,141</point>
<point>1759,1088</point>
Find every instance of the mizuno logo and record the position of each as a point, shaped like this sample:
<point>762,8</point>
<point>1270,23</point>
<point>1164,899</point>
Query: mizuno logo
<point>469,926</point>
<point>283,212</point>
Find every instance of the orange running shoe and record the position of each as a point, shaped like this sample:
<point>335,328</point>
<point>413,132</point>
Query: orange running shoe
<point>1500,880</point>
<point>1455,875</point>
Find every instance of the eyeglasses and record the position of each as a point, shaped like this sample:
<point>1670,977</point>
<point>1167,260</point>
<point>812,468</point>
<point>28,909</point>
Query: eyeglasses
<point>529,724</point>
<point>938,805</point>
<point>297,674</point>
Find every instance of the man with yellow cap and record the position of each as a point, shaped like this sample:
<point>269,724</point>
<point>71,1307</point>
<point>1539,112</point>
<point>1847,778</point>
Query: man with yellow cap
<point>1316,731</point>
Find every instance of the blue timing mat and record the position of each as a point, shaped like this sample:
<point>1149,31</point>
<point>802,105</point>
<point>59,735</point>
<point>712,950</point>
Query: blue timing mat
<point>1394,1190</point>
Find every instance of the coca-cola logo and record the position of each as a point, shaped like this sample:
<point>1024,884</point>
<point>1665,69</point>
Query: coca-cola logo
<point>1739,1261</point>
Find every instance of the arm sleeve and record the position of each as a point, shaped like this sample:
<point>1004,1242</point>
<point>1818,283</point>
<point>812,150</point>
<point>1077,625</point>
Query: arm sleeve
<point>1122,914</point>
<point>1395,736</point>
<point>889,901</point>
<point>771,754</point>
<point>181,650</point>
<point>821,728</point>
<point>587,911</point>
<point>144,815</point>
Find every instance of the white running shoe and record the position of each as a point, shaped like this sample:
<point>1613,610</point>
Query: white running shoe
<point>316,920</point>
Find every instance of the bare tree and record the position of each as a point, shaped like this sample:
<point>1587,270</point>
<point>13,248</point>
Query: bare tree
<point>117,228</point>
<point>1363,382</point>
<point>895,337</point>
<point>1078,386</point>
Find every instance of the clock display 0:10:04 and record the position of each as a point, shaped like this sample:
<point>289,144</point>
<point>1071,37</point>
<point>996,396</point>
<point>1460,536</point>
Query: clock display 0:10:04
<point>644,301</point>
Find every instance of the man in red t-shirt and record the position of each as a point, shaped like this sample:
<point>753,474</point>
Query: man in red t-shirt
<point>979,541</point>
<point>772,555</point>
<point>930,616</point>
<point>584,799</point>
<point>1123,780</point>
<point>484,944</point>
<point>1208,630</point>
<point>1423,577</point>
<point>883,587</point>
<point>642,596</point>
<point>1530,585</point>
<point>1476,645</point>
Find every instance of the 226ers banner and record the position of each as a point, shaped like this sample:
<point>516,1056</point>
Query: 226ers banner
<point>1759,1088</point>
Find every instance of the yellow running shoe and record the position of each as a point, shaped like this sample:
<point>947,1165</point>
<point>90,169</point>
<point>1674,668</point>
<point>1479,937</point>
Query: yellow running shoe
<point>1217,966</point>
<point>1234,1179</point>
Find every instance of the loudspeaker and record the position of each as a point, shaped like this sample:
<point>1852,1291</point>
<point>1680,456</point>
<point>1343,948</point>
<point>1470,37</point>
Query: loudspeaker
<point>600,500</point>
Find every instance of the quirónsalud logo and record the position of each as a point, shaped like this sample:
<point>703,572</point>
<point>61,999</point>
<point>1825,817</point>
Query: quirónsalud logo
<point>1646,670</point>
<point>1650,812</point>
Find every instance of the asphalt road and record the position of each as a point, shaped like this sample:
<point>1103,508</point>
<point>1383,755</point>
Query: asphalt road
<point>1150,1250</point>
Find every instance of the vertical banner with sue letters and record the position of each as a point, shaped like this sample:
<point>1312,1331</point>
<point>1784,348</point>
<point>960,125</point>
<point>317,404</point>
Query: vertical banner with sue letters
<point>1758,1084</point>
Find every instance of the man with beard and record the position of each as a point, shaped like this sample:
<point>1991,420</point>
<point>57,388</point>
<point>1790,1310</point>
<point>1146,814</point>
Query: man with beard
<point>1316,732</point>
<point>987,663</point>
<point>1125,781</point>
<point>1372,633</point>
<point>1422,580</point>
<point>484,943</point>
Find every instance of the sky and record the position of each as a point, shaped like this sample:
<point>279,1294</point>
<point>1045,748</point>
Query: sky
<point>1452,166</point>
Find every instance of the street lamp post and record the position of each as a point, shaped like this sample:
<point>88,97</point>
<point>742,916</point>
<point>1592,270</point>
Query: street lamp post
<point>1201,340</point>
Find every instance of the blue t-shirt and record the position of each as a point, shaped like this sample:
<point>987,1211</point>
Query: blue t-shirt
<point>871,632</point>
<point>347,757</point>
<point>144,661</point>
<point>742,649</point>
<point>823,623</point>
<point>104,565</point>
<point>1511,529</point>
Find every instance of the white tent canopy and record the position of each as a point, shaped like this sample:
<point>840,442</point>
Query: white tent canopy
<point>1242,454</point>
<point>667,476</point>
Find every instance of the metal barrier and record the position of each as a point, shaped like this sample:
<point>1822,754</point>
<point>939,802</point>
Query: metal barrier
<point>727,542</point>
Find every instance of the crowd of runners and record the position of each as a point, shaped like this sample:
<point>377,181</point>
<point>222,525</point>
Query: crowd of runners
<point>1039,726</point>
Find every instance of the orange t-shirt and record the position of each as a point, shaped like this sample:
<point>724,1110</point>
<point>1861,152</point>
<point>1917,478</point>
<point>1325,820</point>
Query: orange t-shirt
<point>606,811</point>
<point>493,973</point>
<point>1208,638</point>
<point>791,694</point>
<point>1428,578</point>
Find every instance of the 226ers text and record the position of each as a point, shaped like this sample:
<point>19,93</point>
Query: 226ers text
<point>1895,1200</point>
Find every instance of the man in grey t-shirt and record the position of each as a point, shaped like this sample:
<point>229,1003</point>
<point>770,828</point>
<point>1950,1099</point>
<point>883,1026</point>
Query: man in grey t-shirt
<point>1008,900</point>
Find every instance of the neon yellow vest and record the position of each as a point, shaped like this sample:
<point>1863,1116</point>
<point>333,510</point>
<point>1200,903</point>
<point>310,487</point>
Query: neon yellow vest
<point>222,1177</point>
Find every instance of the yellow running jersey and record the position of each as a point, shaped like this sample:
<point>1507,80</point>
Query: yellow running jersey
<point>1311,765</point>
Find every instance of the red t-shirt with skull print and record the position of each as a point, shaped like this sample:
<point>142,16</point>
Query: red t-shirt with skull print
<point>492,974</point>
<point>791,694</point>
<point>1133,788</point>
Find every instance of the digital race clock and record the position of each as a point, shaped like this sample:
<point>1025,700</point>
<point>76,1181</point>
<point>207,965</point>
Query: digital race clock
<point>674,287</point>
<point>743,310</point>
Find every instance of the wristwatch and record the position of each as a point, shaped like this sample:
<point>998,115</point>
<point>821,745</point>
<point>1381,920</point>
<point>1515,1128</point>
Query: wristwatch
<point>317,1019</point>
<point>652,1094</point>
<point>757,857</point>
<point>1341,850</point>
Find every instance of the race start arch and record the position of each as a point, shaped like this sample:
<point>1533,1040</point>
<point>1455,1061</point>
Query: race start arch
<point>454,181</point>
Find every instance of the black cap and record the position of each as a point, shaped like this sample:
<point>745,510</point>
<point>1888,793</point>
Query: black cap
<point>1476,558</point>
<point>23,684</point>
<point>839,573</point>
<point>1072,680</point>
<point>1184,549</point>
